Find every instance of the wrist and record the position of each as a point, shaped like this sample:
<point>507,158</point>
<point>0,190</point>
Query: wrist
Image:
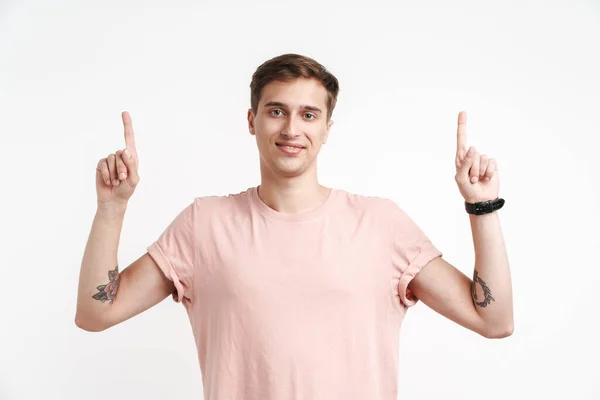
<point>111,210</point>
<point>484,207</point>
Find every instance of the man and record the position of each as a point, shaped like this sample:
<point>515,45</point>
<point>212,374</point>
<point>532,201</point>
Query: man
<point>295,290</point>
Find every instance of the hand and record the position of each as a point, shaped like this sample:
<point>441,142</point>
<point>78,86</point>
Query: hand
<point>117,174</point>
<point>476,175</point>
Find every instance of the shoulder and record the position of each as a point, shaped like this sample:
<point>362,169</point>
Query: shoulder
<point>217,204</point>
<point>222,200</point>
<point>374,205</point>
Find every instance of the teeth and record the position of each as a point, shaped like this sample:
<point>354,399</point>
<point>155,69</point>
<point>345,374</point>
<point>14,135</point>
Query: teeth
<point>291,147</point>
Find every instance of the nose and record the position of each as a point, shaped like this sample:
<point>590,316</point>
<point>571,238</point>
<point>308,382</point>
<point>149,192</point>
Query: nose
<point>289,128</point>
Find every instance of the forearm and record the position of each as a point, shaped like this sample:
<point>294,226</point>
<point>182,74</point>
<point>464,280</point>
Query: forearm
<point>492,287</point>
<point>98,287</point>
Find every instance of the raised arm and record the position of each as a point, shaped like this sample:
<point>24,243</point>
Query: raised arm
<point>107,296</point>
<point>482,304</point>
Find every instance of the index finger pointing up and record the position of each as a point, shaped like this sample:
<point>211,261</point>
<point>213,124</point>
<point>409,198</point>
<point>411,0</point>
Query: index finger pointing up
<point>128,126</point>
<point>461,135</point>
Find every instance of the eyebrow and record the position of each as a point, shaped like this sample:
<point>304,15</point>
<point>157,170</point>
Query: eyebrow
<point>283,105</point>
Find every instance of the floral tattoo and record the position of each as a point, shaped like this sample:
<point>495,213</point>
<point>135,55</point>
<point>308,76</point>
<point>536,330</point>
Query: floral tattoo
<point>487,293</point>
<point>109,291</point>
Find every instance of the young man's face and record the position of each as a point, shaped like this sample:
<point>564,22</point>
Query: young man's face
<point>295,113</point>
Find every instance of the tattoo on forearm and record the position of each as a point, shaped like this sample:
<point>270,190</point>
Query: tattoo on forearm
<point>109,291</point>
<point>487,293</point>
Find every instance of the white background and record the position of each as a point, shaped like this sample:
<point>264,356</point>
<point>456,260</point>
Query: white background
<point>526,72</point>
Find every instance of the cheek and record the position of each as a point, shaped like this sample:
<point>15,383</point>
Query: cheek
<point>263,142</point>
<point>270,124</point>
<point>316,138</point>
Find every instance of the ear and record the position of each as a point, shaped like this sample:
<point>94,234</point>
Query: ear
<point>251,121</point>
<point>327,133</point>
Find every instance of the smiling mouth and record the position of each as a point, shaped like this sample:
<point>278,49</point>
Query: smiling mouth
<point>290,150</point>
<point>292,145</point>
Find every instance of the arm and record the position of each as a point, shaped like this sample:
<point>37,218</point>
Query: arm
<point>139,287</point>
<point>105,296</point>
<point>483,305</point>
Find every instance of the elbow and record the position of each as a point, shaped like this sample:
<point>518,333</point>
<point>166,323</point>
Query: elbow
<point>500,332</point>
<point>88,325</point>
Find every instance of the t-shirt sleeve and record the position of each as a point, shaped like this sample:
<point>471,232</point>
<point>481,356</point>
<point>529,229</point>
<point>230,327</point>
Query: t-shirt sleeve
<point>174,251</point>
<point>411,251</point>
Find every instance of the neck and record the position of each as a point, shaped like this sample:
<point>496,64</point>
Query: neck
<point>292,195</point>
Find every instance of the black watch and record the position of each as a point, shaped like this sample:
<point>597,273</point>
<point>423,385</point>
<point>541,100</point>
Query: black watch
<point>484,207</point>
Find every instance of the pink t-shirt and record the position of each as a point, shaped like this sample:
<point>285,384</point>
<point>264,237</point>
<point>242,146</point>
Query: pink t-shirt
<point>295,306</point>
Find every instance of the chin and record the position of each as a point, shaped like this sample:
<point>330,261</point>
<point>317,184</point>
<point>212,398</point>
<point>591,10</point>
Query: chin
<point>288,169</point>
<point>289,172</point>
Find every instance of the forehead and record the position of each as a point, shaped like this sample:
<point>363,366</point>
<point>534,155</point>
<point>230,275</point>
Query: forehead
<point>295,92</point>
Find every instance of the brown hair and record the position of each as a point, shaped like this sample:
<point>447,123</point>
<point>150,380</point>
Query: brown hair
<point>287,67</point>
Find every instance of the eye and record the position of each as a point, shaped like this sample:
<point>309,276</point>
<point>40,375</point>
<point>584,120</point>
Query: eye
<point>272,111</point>
<point>312,116</point>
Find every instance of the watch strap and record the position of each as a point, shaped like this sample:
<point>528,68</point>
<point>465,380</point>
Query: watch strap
<point>484,207</point>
